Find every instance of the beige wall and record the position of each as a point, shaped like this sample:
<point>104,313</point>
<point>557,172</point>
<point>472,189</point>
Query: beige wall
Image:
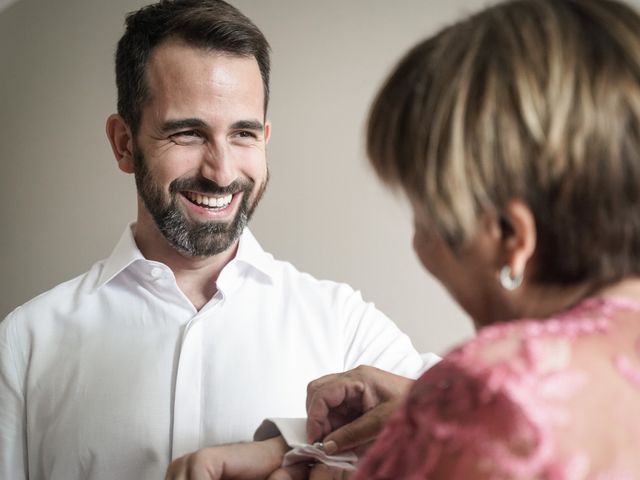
<point>64,203</point>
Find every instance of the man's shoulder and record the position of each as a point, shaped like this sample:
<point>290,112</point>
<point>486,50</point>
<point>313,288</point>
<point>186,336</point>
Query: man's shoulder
<point>290,277</point>
<point>63,295</point>
<point>282,273</point>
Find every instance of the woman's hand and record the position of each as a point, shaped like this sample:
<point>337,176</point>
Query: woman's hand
<point>238,461</point>
<point>347,410</point>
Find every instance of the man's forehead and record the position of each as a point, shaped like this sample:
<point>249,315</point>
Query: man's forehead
<point>186,81</point>
<point>177,68</point>
<point>176,52</point>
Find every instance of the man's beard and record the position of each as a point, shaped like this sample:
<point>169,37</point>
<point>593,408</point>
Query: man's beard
<point>195,239</point>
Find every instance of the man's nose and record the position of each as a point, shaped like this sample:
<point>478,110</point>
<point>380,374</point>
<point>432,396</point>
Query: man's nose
<point>218,166</point>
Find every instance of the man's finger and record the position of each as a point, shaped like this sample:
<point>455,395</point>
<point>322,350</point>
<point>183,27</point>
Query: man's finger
<point>299,471</point>
<point>322,472</point>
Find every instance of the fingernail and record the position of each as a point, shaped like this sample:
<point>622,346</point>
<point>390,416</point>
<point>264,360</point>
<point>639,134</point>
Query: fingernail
<point>330,447</point>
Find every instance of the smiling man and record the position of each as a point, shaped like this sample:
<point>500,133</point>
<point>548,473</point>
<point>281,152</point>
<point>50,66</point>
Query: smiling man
<point>188,334</point>
<point>198,155</point>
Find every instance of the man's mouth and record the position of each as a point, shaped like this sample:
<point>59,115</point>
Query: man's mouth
<point>205,201</point>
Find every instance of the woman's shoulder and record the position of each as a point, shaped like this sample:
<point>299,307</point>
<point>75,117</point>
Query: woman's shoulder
<point>542,367</point>
<point>521,399</point>
<point>545,346</point>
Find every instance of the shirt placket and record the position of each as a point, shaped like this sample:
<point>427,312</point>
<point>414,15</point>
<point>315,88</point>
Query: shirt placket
<point>187,409</point>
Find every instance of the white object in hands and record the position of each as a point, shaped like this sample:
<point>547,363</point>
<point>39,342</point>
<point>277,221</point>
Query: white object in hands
<point>293,430</point>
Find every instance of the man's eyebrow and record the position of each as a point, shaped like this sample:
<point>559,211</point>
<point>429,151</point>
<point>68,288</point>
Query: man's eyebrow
<point>182,123</point>
<point>255,125</point>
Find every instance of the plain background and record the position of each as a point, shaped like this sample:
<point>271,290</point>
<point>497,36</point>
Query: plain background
<point>64,203</point>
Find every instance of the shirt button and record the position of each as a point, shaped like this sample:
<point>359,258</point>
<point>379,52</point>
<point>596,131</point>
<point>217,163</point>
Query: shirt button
<point>156,272</point>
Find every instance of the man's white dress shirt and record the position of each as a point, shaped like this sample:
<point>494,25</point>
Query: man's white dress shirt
<point>112,374</point>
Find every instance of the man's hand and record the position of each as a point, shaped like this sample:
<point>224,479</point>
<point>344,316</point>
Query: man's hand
<point>238,461</point>
<point>305,472</point>
<point>348,410</point>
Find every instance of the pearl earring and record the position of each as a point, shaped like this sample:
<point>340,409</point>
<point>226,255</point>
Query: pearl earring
<point>508,279</point>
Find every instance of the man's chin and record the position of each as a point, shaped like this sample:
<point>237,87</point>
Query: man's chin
<point>206,241</point>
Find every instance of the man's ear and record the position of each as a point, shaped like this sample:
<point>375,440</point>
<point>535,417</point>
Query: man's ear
<point>121,140</point>
<point>519,237</point>
<point>267,131</point>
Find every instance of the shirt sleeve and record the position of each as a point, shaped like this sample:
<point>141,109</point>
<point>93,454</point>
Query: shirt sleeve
<point>13,456</point>
<point>294,433</point>
<point>371,338</point>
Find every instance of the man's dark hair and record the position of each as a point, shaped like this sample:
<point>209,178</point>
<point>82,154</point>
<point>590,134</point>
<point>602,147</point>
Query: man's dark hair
<point>209,24</point>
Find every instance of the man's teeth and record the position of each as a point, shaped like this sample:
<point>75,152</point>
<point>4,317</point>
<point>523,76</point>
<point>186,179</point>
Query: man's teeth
<point>211,202</point>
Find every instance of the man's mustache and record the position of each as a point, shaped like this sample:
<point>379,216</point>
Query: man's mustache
<point>206,186</point>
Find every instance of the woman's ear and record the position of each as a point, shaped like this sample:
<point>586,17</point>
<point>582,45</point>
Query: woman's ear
<point>121,140</point>
<point>518,226</point>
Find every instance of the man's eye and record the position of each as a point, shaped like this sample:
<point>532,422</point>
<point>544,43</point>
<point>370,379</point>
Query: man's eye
<point>188,133</point>
<point>246,134</point>
<point>187,137</point>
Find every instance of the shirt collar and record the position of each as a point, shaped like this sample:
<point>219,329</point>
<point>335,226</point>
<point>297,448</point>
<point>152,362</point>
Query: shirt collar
<point>126,252</point>
<point>251,253</point>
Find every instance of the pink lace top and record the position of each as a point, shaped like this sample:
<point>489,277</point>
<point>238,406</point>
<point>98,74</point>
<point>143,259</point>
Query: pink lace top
<point>554,399</point>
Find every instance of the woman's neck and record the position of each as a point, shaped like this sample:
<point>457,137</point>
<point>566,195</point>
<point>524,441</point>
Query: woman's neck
<point>545,301</point>
<point>628,287</point>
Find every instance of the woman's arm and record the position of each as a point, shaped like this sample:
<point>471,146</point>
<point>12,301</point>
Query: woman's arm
<point>348,410</point>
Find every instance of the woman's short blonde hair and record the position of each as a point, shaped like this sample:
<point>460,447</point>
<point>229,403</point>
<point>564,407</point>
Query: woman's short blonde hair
<point>537,100</point>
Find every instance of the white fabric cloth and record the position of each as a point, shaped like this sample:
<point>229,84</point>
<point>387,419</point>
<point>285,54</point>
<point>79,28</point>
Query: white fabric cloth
<point>294,433</point>
<point>112,374</point>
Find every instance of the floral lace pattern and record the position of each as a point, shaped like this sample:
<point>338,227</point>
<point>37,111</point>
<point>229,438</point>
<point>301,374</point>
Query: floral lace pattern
<point>522,401</point>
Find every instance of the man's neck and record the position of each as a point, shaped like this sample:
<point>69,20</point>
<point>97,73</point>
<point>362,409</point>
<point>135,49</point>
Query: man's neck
<point>195,276</point>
